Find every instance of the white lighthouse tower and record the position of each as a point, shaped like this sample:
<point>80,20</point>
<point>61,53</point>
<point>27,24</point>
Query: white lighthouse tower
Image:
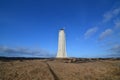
<point>61,45</point>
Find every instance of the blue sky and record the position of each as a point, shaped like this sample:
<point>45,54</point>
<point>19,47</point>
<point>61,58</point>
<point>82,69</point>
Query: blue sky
<point>29,28</point>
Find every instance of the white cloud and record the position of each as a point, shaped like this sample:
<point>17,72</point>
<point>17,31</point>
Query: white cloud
<point>90,32</point>
<point>116,11</point>
<point>117,24</point>
<point>111,14</point>
<point>23,51</point>
<point>105,34</point>
<point>115,50</point>
<point>107,16</point>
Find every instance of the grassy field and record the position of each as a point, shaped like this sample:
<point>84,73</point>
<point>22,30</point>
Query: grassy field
<point>59,70</point>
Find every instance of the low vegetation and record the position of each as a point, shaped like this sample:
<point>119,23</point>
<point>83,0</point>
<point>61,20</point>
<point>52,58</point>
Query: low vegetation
<point>60,69</point>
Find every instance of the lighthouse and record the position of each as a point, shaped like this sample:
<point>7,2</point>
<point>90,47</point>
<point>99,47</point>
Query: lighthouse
<point>61,44</point>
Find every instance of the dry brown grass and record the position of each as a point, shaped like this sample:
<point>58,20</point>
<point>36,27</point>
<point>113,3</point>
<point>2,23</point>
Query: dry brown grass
<point>26,70</point>
<point>55,70</point>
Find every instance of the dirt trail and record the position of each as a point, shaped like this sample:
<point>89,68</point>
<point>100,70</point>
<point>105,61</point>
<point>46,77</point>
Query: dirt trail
<point>52,72</point>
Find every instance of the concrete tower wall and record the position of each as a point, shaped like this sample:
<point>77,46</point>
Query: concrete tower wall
<point>61,45</point>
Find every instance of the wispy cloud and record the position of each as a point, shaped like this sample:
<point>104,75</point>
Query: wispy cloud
<point>90,32</point>
<point>111,14</point>
<point>115,50</point>
<point>105,34</point>
<point>117,24</point>
<point>23,52</point>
